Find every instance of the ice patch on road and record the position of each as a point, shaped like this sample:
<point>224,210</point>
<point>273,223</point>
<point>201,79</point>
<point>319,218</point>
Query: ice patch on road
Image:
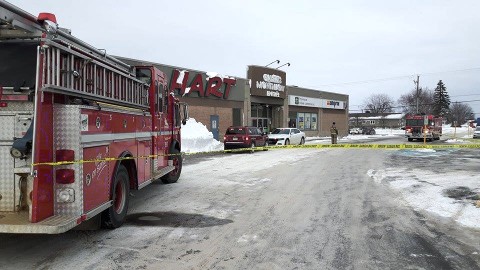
<point>247,238</point>
<point>455,141</point>
<point>420,255</point>
<point>177,233</point>
<point>377,176</point>
<point>424,152</point>
<point>255,181</point>
<point>424,190</point>
<point>229,167</point>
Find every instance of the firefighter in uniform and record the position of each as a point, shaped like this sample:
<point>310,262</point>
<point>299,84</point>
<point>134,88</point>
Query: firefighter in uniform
<point>334,133</point>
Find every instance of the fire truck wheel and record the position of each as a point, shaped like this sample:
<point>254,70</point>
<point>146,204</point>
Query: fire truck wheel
<point>115,215</point>
<point>173,176</point>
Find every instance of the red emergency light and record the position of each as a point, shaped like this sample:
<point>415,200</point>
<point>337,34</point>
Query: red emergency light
<point>44,16</point>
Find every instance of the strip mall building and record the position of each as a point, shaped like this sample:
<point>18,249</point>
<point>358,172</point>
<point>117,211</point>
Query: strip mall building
<point>262,99</point>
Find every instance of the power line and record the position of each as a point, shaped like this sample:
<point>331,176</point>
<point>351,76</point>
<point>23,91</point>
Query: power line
<point>400,77</point>
<point>451,71</point>
<point>370,81</point>
<point>466,95</point>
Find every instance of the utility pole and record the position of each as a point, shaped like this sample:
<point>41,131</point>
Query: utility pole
<point>416,82</point>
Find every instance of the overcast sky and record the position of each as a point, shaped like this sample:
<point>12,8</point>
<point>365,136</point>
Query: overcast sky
<point>328,43</point>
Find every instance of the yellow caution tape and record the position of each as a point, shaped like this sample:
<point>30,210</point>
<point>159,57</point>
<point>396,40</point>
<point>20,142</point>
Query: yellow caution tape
<point>358,146</point>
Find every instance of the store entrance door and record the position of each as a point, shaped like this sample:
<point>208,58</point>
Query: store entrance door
<point>261,123</point>
<point>214,125</point>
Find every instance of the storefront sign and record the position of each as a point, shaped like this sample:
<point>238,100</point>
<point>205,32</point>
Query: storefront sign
<point>333,104</point>
<point>304,101</point>
<point>200,85</point>
<point>266,82</point>
<point>315,102</point>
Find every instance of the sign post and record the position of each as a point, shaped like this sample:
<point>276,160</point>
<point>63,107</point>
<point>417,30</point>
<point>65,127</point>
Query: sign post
<point>425,123</point>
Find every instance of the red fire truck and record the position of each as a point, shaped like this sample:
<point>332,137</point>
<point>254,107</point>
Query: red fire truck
<point>79,128</point>
<point>423,127</point>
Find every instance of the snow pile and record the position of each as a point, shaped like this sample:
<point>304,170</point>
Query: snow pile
<point>424,190</point>
<point>197,138</point>
<point>455,141</point>
<point>389,131</point>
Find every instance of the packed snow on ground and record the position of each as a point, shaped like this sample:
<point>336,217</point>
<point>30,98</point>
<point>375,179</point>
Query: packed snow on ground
<point>422,190</point>
<point>425,191</point>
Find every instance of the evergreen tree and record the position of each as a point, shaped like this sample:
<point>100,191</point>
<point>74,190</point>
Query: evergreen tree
<point>441,100</point>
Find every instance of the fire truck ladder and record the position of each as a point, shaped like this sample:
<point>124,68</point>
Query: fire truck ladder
<point>71,71</point>
<point>71,66</point>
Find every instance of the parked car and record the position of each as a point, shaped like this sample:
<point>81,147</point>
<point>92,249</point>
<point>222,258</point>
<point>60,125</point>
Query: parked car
<point>244,137</point>
<point>355,131</point>
<point>476,133</point>
<point>286,136</point>
<point>368,131</point>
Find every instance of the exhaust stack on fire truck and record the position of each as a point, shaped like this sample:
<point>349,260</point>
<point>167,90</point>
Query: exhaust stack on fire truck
<point>79,128</point>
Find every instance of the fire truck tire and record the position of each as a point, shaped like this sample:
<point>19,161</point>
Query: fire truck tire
<point>115,215</point>
<point>173,176</point>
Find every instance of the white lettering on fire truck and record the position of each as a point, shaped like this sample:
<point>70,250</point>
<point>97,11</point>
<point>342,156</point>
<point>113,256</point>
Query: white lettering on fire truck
<point>99,166</point>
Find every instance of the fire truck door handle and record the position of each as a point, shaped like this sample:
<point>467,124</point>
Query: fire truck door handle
<point>24,118</point>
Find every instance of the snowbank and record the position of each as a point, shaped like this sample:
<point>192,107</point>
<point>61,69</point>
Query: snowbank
<point>197,138</point>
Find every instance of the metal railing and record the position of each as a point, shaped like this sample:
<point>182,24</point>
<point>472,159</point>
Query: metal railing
<point>69,71</point>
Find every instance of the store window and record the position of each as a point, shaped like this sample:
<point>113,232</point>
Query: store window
<point>304,121</point>
<point>314,122</point>
<point>301,120</point>
<point>308,116</point>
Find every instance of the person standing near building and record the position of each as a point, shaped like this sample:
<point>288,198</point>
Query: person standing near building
<point>334,133</point>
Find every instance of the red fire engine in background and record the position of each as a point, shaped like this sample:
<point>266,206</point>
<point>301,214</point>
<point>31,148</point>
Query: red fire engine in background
<point>423,127</point>
<point>80,129</point>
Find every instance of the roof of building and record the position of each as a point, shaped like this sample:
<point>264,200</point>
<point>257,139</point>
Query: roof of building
<point>373,116</point>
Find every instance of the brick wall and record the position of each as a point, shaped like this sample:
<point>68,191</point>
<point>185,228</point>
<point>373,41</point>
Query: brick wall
<point>202,114</point>
<point>328,117</point>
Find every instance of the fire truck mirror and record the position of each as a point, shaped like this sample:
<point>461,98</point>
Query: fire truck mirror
<point>185,116</point>
<point>21,147</point>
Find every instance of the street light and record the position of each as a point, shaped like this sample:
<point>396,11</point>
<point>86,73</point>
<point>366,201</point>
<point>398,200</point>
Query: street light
<point>276,61</point>
<point>287,64</point>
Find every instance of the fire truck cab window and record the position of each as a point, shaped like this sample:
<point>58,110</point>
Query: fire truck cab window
<point>144,74</point>
<point>21,59</point>
<point>158,96</point>
<point>165,99</point>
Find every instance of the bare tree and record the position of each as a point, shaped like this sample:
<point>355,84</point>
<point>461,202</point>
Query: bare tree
<point>408,102</point>
<point>379,103</point>
<point>459,113</point>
